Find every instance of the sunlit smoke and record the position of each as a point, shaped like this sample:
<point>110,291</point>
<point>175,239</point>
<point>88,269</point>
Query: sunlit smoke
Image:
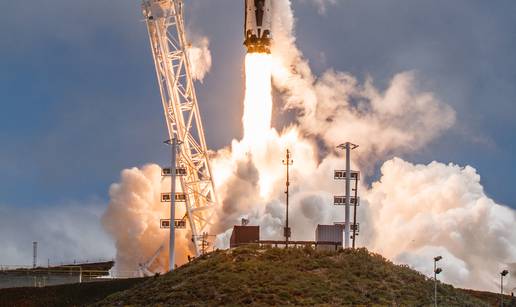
<point>334,108</point>
<point>411,214</point>
<point>133,221</point>
<point>199,56</point>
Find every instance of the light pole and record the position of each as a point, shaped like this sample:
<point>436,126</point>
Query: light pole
<point>502,275</point>
<point>436,271</point>
<point>348,147</point>
<point>172,240</point>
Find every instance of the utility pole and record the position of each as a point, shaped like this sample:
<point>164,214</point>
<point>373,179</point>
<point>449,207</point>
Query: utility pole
<point>348,147</point>
<point>355,225</point>
<point>205,244</point>
<point>436,271</point>
<point>502,275</point>
<point>34,254</point>
<point>172,240</point>
<point>288,161</point>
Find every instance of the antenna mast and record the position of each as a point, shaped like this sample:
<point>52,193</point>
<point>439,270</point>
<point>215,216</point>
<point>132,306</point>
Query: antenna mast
<point>169,47</point>
<point>288,162</point>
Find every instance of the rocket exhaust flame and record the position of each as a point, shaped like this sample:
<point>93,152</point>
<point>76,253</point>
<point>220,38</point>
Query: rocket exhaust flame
<point>258,98</point>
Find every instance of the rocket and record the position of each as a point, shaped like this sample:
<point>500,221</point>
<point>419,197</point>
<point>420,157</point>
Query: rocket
<point>257,27</point>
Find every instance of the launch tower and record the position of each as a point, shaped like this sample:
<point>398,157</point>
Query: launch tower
<point>169,46</point>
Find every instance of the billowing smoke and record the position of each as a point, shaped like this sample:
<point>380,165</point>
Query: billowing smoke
<point>336,107</point>
<point>133,221</point>
<point>420,211</point>
<point>413,213</point>
<point>199,56</point>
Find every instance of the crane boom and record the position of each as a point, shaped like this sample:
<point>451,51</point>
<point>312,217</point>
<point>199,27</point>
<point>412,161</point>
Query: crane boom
<point>169,46</point>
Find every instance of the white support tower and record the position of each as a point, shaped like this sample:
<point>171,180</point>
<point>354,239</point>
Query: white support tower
<point>166,29</point>
<point>349,174</point>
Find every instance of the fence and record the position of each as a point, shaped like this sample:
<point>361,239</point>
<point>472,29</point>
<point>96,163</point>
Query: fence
<point>23,276</point>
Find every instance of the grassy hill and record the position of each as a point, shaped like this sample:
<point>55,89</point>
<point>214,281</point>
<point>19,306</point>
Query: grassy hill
<point>264,276</point>
<point>64,295</point>
<point>271,276</point>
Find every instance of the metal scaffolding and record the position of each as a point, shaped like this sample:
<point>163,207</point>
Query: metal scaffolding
<point>166,30</point>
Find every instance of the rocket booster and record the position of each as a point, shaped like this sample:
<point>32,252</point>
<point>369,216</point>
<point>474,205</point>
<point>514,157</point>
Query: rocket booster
<point>257,27</point>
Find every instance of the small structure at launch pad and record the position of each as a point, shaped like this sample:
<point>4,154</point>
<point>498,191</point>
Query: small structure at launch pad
<point>244,234</point>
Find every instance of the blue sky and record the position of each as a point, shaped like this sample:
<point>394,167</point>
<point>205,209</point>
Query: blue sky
<point>80,101</point>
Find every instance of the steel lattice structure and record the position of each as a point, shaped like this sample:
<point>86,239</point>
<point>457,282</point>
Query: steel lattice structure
<point>166,29</point>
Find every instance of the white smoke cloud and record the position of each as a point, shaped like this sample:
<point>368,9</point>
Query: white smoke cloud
<point>421,211</point>
<point>411,214</point>
<point>199,56</point>
<point>336,107</point>
<point>444,210</point>
<point>133,221</point>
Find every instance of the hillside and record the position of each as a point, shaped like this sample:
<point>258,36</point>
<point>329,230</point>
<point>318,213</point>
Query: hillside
<point>64,295</point>
<point>271,276</point>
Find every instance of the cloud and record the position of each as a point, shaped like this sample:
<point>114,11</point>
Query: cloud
<point>421,211</point>
<point>133,217</point>
<point>200,58</point>
<point>64,233</point>
<point>440,208</point>
<point>336,107</point>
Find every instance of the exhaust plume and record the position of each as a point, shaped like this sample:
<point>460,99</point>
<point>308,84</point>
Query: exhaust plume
<point>199,56</point>
<point>411,214</point>
<point>258,97</point>
<point>442,208</point>
<point>421,211</point>
<point>133,221</point>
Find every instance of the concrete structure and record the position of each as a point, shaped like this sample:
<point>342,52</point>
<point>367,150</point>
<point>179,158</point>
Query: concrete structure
<point>244,235</point>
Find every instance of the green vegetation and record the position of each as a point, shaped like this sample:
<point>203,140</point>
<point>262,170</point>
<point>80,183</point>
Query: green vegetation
<point>264,276</point>
<point>295,276</point>
<point>65,295</point>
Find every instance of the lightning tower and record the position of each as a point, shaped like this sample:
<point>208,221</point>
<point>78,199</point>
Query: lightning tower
<point>169,46</point>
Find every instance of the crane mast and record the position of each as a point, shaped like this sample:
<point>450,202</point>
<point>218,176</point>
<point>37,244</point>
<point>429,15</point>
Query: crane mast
<point>169,46</point>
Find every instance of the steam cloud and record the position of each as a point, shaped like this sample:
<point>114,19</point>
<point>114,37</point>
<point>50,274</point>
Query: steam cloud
<point>410,215</point>
<point>132,220</point>
<point>199,56</point>
<point>322,4</point>
<point>441,208</point>
<point>420,211</point>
